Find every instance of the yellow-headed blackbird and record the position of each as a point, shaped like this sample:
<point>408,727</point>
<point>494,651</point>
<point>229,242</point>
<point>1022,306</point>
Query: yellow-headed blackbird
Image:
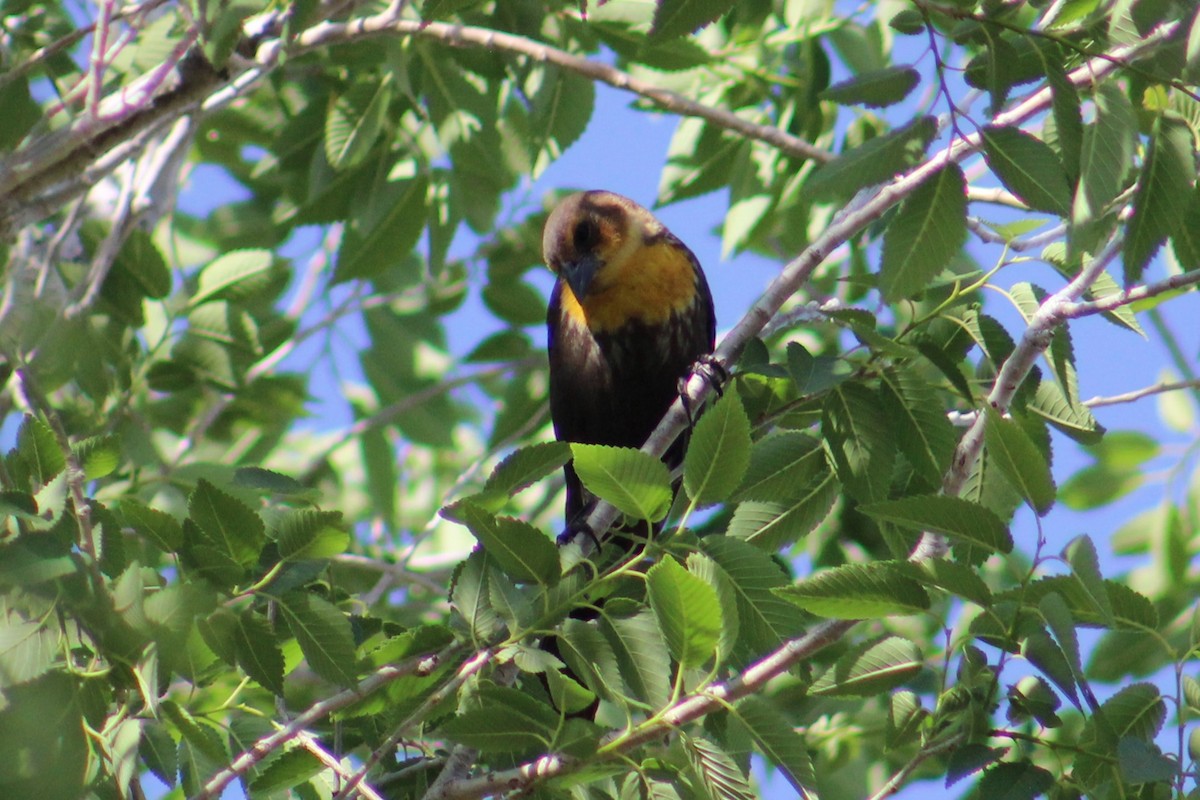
<point>629,315</point>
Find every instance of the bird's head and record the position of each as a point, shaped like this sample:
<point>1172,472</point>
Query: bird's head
<point>591,235</point>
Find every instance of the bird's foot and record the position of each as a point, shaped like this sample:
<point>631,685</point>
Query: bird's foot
<point>714,374</point>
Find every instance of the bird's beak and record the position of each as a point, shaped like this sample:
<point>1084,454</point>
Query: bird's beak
<point>579,274</point>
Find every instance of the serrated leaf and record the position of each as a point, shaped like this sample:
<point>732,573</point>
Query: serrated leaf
<point>680,17</point>
<point>870,668</point>
<point>1106,154</point>
<point>1060,622</point>
<point>925,235</point>
<point>719,451</point>
<point>591,658</point>
<point>1020,461</point>
<point>292,768</point>
<point>523,467</point>
<point>953,577</point>
<point>1044,653</point>
<point>782,465</point>
<point>858,591</point>
<point>561,109</point>
<point>923,432</point>
<point>1185,241</point>
<point>873,161</point>
<point>636,483</point>
<point>98,455</point>
<point>257,652</point>
<point>1137,711</point>
<point>1143,762</point>
<point>765,620</point>
<point>1010,780</point>
<point>875,89</point>
<point>859,441</point>
<point>1081,555</point>
<point>707,570</point>
<point>506,721</point>
<point>227,524</point>
<point>953,516</point>
<point>265,480</point>
<point>718,772</point>
<point>389,222</point>
<point>310,534</point>
<point>354,122</point>
<point>688,612</point>
<point>158,751</point>
<point>158,527</point>
<point>641,655</point>
<point>1075,420</point>
<point>1028,168</point>
<point>778,742</point>
<point>38,447</point>
<point>1162,193</point>
<point>518,548</point>
<point>236,275</point>
<point>323,633</point>
<point>771,526</point>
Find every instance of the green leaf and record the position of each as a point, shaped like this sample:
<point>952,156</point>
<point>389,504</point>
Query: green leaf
<point>27,650</point>
<point>875,89</point>
<point>719,452</point>
<point>521,469</point>
<point>1019,780</point>
<point>227,524</point>
<point>1029,168</point>
<point>1191,70</point>
<point>952,577</point>
<point>158,751</point>
<point>641,656</point>
<point>38,448</point>
<point>157,527</point>
<point>355,120</point>
<point>1080,554</point>
<point>764,619</point>
<point>708,571</point>
<point>323,633</point>
<point>870,668</point>
<point>858,591</point>
<point>926,234</point>
<point>1020,461</point>
<point>291,769</point>
<point>718,772</point>
<point>1162,195</point>
<point>1067,116</point>
<point>1106,154</point>
<point>257,652</point>
<point>518,548</point>
<point>1073,419</point>
<point>265,480</point>
<point>783,464</point>
<point>310,534</point>
<point>960,519</point>
<point>384,227</point>
<point>506,721</point>
<point>923,432</point>
<point>21,113</point>
<point>1136,711</point>
<point>1143,762</point>
<point>591,658</point>
<point>778,742</point>
<point>859,441</point>
<point>237,275</point>
<point>687,610</point>
<point>772,526</point>
<point>637,483</point>
<point>515,302</point>
<point>1185,241</point>
<point>873,161</point>
<point>562,108</point>
<point>680,17</point>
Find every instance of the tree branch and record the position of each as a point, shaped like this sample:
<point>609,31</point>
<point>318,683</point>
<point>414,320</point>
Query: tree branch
<point>417,665</point>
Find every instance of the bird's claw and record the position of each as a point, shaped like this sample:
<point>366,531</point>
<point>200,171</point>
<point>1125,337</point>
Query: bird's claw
<point>714,374</point>
<point>578,527</point>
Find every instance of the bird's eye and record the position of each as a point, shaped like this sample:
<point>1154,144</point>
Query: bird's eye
<point>587,233</point>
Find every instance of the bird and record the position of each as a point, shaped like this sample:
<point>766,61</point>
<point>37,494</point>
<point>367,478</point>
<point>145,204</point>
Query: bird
<point>630,315</point>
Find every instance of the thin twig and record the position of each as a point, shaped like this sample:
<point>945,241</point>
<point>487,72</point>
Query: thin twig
<point>328,33</point>
<point>417,665</point>
<point>1138,394</point>
<point>310,743</point>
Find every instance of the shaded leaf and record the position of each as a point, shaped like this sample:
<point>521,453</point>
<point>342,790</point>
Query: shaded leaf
<point>926,233</point>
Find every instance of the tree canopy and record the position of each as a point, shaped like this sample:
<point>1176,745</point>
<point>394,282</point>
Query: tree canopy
<point>204,585</point>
